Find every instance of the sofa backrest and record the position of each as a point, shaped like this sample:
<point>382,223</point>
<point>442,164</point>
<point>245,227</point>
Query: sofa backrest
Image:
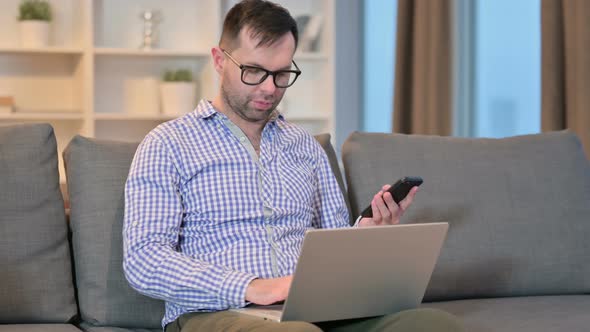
<point>518,208</point>
<point>96,174</point>
<point>36,276</point>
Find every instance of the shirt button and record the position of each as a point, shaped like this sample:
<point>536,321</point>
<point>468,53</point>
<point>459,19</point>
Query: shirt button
<point>135,223</point>
<point>242,139</point>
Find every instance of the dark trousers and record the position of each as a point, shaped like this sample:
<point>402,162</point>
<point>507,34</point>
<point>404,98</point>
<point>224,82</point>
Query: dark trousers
<point>416,320</point>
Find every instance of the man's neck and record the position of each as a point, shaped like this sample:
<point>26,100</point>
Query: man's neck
<point>253,130</point>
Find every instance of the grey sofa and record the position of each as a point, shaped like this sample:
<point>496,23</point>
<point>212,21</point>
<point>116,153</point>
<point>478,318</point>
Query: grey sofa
<point>516,257</point>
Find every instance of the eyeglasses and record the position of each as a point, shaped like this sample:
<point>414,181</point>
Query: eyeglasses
<point>252,75</point>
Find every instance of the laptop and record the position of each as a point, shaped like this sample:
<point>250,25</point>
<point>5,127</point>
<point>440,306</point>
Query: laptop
<point>350,273</point>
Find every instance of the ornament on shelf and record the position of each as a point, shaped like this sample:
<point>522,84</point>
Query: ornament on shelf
<point>178,92</point>
<point>151,19</point>
<point>6,103</point>
<point>310,28</point>
<point>34,19</point>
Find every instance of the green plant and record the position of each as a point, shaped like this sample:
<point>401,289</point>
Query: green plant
<point>180,75</point>
<point>38,10</point>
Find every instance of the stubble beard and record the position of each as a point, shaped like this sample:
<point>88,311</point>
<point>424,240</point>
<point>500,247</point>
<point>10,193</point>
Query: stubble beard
<point>239,106</point>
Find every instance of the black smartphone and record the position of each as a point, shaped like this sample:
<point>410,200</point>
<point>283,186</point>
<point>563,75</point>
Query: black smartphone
<point>398,190</point>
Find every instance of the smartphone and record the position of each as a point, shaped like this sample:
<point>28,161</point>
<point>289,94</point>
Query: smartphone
<point>398,190</point>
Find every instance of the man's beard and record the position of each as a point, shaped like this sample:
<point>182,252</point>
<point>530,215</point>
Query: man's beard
<point>240,106</point>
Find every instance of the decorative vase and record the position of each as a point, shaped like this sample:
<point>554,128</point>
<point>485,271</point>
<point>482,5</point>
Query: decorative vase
<point>177,97</point>
<point>142,97</point>
<point>34,33</point>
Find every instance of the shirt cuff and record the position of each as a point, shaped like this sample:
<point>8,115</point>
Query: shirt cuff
<point>233,289</point>
<point>358,220</point>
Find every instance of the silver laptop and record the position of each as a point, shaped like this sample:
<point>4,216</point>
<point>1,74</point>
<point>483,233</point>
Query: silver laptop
<point>359,272</point>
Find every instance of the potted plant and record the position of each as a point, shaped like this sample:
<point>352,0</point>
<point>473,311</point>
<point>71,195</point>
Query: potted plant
<point>34,17</point>
<point>177,92</point>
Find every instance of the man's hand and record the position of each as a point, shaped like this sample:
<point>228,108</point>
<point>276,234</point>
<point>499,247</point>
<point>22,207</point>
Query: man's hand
<point>268,291</point>
<point>385,210</point>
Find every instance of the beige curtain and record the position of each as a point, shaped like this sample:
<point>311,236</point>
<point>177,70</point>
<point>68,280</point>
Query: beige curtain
<point>422,96</point>
<point>566,67</point>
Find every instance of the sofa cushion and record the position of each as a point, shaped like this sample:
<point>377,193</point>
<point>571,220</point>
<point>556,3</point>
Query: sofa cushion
<point>90,328</point>
<point>39,328</point>
<point>522,314</point>
<point>518,207</point>
<point>325,142</point>
<point>36,283</point>
<point>96,174</point>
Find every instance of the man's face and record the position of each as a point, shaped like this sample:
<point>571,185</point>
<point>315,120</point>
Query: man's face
<point>255,103</point>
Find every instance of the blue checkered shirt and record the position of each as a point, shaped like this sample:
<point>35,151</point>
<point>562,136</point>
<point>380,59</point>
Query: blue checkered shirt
<point>205,215</point>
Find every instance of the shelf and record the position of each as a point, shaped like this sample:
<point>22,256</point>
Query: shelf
<point>307,117</point>
<point>42,50</point>
<point>133,117</point>
<point>109,51</point>
<point>41,116</point>
<point>311,56</point>
<point>94,79</point>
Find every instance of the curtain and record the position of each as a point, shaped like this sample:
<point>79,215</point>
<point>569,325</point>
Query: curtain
<point>422,93</point>
<point>565,30</point>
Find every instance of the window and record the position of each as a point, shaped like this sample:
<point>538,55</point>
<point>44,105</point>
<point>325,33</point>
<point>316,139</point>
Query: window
<point>378,64</point>
<point>497,64</point>
<point>507,68</point>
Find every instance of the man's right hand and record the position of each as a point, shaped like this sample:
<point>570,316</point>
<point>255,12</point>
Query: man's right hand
<point>268,291</point>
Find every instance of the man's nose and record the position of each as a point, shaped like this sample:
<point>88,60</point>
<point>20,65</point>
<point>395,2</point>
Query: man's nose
<point>268,85</point>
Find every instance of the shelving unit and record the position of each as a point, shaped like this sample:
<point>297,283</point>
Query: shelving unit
<point>95,81</point>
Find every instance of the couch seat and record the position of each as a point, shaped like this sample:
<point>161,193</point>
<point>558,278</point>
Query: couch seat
<point>38,328</point>
<point>524,314</point>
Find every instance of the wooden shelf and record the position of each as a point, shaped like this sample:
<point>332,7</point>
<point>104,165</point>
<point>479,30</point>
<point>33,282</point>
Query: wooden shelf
<point>93,78</point>
<point>311,56</point>
<point>306,117</point>
<point>132,117</point>
<point>42,50</point>
<point>45,115</point>
<point>111,51</point>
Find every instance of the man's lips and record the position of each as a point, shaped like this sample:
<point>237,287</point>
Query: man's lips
<point>262,104</point>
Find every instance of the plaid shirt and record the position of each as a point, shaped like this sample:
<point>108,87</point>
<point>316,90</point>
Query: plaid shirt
<point>205,215</point>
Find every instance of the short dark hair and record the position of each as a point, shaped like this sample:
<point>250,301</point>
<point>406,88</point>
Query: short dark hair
<point>266,20</point>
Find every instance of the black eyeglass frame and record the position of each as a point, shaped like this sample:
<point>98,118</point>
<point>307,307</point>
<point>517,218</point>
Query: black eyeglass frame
<point>242,67</point>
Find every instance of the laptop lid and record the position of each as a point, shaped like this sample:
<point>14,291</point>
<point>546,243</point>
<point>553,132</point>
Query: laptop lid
<point>362,272</point>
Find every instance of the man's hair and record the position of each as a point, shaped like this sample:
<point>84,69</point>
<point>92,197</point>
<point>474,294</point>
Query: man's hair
<point>267,22</point>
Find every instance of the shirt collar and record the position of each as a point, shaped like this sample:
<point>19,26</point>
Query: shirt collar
<point>206,110</point>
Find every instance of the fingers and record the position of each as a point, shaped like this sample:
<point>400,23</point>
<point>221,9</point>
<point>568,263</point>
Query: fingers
<point>385,211</point>
<point>268,291</point>
<point>406,202</point>
<point>376,212</point>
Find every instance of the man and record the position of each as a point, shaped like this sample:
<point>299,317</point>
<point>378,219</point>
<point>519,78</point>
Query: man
<point>217,202</point>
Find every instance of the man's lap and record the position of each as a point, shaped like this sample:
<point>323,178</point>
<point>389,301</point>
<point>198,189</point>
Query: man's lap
<point>409,320</point>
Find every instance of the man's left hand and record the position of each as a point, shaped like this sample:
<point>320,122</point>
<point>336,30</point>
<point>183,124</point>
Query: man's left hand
<point>385,210</point>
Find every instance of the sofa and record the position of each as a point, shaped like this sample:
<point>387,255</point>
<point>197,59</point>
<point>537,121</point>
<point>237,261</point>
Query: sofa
<point>516,258</point>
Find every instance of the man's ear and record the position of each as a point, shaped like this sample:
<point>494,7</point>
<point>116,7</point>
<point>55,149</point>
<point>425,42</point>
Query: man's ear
<point>218,59</point>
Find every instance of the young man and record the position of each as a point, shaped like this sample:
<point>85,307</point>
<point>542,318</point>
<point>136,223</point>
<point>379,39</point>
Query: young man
<point>217,202</point>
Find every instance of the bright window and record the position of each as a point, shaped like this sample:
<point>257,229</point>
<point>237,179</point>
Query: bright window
<point>507,68</point>
<point>378,67</point>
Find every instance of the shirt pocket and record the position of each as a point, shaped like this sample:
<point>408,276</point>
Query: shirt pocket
<point>297,179</point>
